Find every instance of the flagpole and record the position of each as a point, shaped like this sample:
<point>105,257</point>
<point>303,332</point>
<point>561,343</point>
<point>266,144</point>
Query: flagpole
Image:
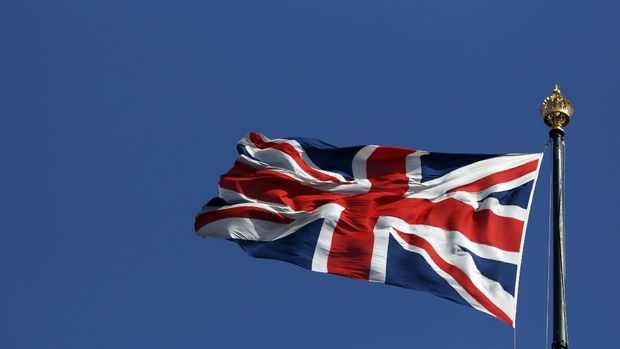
<point>556,112</point>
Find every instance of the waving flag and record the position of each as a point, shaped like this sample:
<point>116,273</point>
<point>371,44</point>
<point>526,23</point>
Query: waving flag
<point>449,224</point>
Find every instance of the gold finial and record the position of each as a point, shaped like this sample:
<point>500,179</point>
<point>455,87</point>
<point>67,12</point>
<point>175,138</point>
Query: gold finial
<point>556,110</point>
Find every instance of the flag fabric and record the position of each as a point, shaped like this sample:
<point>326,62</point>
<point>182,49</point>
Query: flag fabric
<point>452,225</point>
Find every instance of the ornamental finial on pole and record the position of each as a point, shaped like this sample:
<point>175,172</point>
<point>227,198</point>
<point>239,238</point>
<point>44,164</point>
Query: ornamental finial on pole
<point>556,110</point>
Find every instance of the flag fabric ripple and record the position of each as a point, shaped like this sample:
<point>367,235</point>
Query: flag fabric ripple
<point>448,224</point>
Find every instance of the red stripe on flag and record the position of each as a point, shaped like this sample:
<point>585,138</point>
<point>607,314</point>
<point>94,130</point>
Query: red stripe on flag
<point>240,212</point>
<point>352,241</point>
<point>483,227</point>
<point>498,177</point>
<point>288,149</point>
<point>387,170</point>
<point>458,275</point>
<point>275,187</point>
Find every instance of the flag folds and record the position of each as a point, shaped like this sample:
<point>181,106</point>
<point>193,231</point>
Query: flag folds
<point>448,224</point>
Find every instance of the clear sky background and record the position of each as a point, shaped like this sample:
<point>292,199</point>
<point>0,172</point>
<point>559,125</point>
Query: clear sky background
<point>117,117</point>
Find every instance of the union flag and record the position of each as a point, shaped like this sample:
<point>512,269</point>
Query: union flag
<point>449,224</point>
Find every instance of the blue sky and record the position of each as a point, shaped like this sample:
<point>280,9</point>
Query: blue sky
<point>117,117</point>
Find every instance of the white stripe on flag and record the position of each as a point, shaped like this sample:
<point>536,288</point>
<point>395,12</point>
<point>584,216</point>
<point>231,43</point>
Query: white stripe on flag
<point>324,244</point>
<point>496,207</point>
<point>473,199</point>
<point>414,166</point>
<point>468,174</point>
<point>360,161</point>
<point>378,262</point>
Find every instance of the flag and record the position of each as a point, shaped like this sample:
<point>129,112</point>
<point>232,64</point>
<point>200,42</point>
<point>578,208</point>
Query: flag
<point>452,225</point>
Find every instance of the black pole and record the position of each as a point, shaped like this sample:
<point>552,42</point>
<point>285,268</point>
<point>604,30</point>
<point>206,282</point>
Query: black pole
<point>556,112</point>
<point>560,333</point>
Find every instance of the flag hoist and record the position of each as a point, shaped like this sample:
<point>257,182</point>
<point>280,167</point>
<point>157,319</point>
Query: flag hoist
<point>556,112</point>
